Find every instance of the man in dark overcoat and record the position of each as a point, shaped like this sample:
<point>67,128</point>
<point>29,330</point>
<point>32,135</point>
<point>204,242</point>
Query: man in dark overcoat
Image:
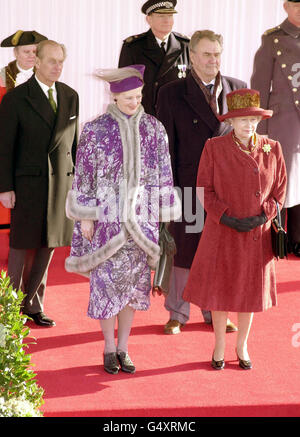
<point>16,72</point>
<point>188,109</point>
<point>163,52</point>
<point>276,74</point>
<point>38,125</point>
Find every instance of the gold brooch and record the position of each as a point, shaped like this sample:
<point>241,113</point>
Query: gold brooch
<point>267,148</point>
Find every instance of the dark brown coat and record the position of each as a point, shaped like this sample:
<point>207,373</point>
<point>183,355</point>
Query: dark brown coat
<point>189,122</point>
<point>37,155</point>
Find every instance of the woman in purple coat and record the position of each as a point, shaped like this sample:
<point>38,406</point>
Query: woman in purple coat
<point>123,188</point>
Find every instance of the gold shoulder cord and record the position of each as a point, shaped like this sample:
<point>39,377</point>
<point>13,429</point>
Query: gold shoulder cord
<point>11,78</point>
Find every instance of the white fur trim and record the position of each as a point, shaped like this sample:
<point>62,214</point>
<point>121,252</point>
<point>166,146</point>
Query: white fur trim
<point>168,214</point>
<point>130,137</point>
<point>86,263</point>
<point>74,211</point>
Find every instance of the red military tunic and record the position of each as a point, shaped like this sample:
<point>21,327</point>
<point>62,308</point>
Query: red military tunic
<point>234,271</point>
<point>2,92</point>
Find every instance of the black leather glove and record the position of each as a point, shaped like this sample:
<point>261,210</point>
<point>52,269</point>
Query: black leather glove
<point>256,220</point>
<point>244,224</point>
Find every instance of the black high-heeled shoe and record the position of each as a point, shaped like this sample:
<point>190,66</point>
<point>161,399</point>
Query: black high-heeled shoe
<point>217,365</point>
<point>244,364</point>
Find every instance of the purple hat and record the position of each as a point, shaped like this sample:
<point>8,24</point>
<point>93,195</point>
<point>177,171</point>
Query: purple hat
<point>129,83</point>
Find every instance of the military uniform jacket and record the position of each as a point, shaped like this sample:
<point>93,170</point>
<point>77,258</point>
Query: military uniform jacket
<point>160,68</point>
<point>37,155</point>
<point>276,74</point>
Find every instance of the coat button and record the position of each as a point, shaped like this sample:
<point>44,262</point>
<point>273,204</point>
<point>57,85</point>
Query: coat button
<point>256,171</point>
<point>195,121</point>
<point>257,194</point>
<point>69,153</point>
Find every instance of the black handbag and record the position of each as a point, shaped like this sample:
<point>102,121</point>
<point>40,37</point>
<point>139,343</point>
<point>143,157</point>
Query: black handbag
<point>162,277</point>
<point>279,237</point>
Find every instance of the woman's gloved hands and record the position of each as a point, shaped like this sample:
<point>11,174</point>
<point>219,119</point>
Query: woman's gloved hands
<point>245,224</point>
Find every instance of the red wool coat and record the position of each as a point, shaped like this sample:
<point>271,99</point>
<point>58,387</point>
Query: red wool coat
<point>235,271</point>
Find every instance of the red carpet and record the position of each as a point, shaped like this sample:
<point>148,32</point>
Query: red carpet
<point>174,377</point>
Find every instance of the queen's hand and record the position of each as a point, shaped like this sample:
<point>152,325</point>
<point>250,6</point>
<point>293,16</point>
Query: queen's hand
<point>87,229</point>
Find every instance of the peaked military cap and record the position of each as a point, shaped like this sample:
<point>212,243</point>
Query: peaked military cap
<point>23,38</point>
<point>159,7</point>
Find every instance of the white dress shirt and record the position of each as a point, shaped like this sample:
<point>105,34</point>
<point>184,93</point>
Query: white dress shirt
<point>219,90</point>
<point>212,82</point>
<point>45,89</point>
<point>159,41</point>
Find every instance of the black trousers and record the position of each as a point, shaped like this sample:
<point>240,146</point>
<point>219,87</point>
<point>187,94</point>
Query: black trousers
<point>28,270</point>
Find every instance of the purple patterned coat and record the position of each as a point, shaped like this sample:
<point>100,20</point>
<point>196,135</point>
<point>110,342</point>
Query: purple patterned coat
<point>123,181</point>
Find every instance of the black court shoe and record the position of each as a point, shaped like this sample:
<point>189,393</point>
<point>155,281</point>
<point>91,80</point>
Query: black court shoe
<point>244,364</point>
<point>217,365</point>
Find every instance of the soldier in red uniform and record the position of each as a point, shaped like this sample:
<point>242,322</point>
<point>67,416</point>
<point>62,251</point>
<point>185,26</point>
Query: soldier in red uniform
<point>276,74</point>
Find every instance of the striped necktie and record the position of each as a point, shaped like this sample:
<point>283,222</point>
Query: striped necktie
<point>51,100</point>
<point>162,46</point>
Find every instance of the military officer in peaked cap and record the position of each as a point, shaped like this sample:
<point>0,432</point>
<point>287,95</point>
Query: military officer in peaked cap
<point>164,53</point>
<point>21,68</point>
<point>276,74</point>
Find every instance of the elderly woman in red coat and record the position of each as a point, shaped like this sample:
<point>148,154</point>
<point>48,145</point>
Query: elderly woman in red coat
<point>243,175</point>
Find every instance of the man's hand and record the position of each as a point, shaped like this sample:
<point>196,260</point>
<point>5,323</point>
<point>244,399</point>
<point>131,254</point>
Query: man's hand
<point>87,228</point>
<point>8,199</point>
